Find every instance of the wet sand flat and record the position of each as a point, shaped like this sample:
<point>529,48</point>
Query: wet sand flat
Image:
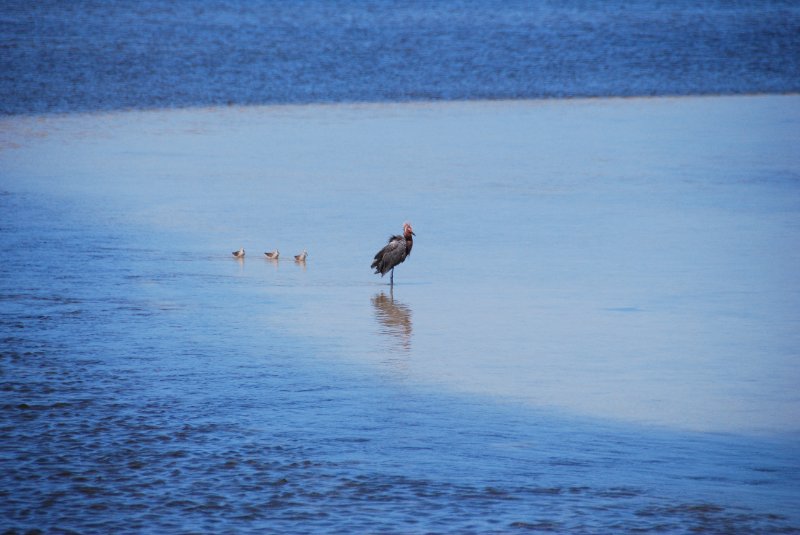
<point>629,259</point>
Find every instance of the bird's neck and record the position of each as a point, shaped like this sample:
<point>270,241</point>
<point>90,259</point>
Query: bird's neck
<point>409,242</point>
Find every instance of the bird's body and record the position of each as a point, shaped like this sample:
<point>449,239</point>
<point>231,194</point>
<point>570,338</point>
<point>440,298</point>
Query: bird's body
<point>301,257</point>
<point>239,253</point>
<point>395,252</point>
<point>273,255</point>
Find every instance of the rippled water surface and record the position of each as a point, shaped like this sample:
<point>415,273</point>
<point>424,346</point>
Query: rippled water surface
<point>597,330</point>
<point>90,55</point>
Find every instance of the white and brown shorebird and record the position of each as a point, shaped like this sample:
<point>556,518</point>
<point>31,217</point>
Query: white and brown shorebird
<point>301,257</point>
<point>239,253</point>
<point>395,252</point>
<point>273,255</point>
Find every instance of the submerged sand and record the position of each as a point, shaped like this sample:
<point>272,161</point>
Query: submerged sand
<point>625,259</point>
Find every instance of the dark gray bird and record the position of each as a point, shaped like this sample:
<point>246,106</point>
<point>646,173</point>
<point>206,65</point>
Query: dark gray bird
<point>395,252</point>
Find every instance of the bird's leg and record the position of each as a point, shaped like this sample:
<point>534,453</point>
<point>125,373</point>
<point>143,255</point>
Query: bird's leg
<point>391,279</point>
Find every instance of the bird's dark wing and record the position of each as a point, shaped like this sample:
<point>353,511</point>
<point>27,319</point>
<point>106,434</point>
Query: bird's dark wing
<point>392,254</point>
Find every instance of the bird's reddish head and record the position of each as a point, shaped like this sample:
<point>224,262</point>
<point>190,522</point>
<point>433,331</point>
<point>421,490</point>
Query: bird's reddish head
<point>407,230</point>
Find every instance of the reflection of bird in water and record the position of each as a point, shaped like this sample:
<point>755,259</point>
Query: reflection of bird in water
<point>395,317</point>
<point>273,255</point>
<point>301,257</point>
<point>395,252</point>
<point>239,253</point>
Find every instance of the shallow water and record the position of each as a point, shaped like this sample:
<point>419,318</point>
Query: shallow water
<point>89,55</point>
<point>596,331</point>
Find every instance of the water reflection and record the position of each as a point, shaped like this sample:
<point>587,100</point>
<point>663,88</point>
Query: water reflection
<point>239,260</point>
<point>395,318</point>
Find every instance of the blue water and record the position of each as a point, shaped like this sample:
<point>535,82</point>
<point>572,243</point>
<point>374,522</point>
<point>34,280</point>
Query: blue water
<point>68,56</point>
<point>596,333</point>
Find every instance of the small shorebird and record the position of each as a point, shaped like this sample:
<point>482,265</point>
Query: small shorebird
<point>394,252</point>
<point>273,255</point>
<point>301,257</point>
<point>239,253</point>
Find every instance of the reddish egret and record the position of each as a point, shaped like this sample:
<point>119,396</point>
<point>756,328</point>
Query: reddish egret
<point>273,255</point>
<point>395,252</point>
<point>239,253</point>
<point>301,257</point>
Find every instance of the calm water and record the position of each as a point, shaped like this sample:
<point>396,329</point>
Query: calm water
<point>597,331</point>
<point>66,56</point>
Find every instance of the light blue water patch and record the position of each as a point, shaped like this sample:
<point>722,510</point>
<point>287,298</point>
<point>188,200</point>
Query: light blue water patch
<point>532,218</point>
